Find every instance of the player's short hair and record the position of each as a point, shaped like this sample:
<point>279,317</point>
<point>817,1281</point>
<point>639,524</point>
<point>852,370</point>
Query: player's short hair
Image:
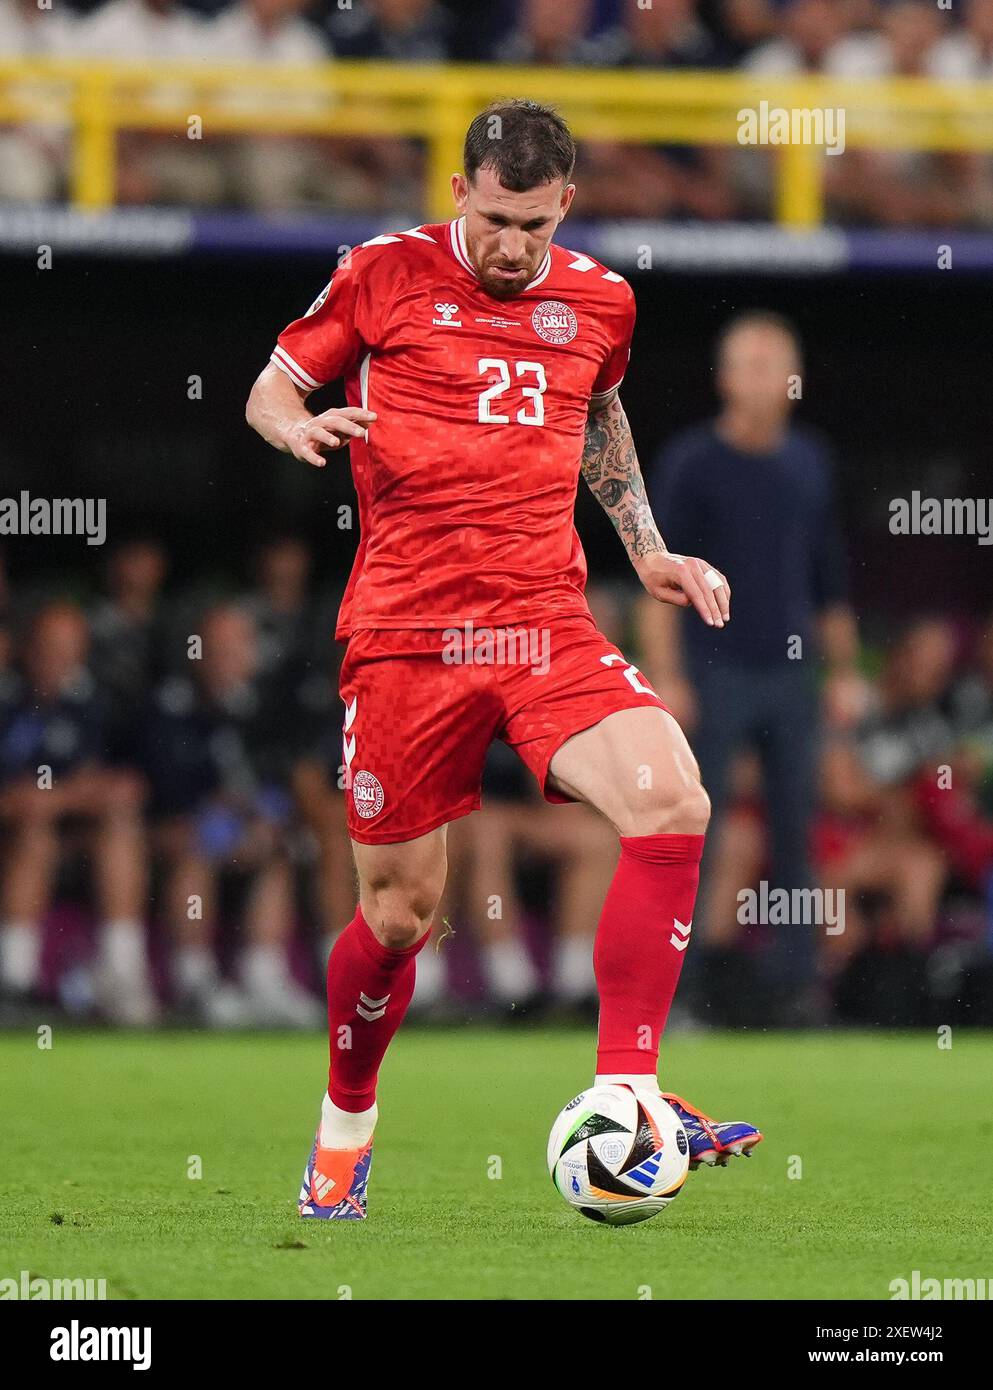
<point>524,143</point>
<point>757,318</point>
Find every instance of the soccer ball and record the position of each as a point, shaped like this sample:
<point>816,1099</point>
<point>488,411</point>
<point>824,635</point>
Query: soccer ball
<point>618,1156</point>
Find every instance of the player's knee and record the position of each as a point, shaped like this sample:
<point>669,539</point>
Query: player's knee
<point>399,917</point>
<point>693,812</point>
<point>667,811</point>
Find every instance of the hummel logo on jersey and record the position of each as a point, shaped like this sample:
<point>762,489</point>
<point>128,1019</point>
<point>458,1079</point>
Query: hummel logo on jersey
<point>371,1009</point>
<point>448,319</point>
<point>348,744</point>
<point>680,937</point>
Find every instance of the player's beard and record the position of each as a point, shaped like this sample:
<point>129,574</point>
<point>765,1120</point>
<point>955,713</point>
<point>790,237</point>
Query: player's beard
<point>499,286</point>
<point>504,286</point>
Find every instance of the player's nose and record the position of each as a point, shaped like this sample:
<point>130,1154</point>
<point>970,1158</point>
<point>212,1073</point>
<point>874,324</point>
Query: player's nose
<point>512,248</point>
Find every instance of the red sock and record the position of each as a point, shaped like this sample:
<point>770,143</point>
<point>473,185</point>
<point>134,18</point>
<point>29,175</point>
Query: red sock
<point>640,944</point>
<point>369,988</point>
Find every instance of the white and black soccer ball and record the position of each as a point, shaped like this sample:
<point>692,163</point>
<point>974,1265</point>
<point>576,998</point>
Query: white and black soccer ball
<point>618,1156</point>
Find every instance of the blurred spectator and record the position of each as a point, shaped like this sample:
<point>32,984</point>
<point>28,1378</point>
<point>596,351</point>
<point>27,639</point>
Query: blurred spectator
<point>141,29</point>
<point>809,30</point>
<point>746,23</point>
<point>154,167</point>
<point>912,726</point>
<point>869,839</point>
<point>128,643</point>
<point>28,30</point>
<point>33,156</point>
<point>398,31</point>
<point>753,492</point>
<point>896,187</point>
<point>972,698</point>
<point>266,31</point>
<point>547,32</point>
<point>278,172</point>
<point>56,797</point>
<point>916,742</point>
<point>273,172</point>
<point>666,34</point>
<point>872,841</point>
<point>957,804</point>
<point>966,55</point>
<point>619,180</point>
<point>219,765</point>
<point>281,609</point>
<point>902,45</point>
<point>386,175</point>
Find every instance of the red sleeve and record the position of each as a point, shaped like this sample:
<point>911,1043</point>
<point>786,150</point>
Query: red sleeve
<point>331,337</point>
<point>620,327</point>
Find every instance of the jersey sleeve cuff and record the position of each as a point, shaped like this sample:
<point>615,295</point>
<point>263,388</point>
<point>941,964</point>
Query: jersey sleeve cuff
<point>282,359</point>
<point>608,391</point>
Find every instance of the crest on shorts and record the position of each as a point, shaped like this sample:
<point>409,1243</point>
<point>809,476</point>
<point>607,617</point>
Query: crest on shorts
<point>367,795</point>
<point>554,321</point>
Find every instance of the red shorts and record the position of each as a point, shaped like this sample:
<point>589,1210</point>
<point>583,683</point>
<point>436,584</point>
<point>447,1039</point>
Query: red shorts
<point>422,707</point>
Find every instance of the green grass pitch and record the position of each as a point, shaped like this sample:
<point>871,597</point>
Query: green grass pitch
<point>98,1134</point>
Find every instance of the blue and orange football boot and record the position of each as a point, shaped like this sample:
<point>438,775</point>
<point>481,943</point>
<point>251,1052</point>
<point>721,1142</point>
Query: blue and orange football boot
<point>335,1183</point>
<point>713,1142</point>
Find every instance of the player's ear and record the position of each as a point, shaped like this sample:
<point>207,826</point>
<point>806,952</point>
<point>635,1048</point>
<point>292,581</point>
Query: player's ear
<point>460,191</point>
<point>568,193</point>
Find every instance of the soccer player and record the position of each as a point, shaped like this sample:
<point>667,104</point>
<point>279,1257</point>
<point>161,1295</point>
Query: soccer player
<point>481,367</point>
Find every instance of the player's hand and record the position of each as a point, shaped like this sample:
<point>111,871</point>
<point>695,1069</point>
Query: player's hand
<point>685,580</point>
<point>331,430</point>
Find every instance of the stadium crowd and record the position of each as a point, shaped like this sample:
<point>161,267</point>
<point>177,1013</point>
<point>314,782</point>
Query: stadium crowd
<point>174,842</point>
<point>854,39</point>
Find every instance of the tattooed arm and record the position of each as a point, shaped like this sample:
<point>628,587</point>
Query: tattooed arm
<point>610,467</point>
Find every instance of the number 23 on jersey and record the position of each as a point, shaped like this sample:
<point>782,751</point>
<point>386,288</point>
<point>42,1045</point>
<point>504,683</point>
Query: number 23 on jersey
<point>532,411</point>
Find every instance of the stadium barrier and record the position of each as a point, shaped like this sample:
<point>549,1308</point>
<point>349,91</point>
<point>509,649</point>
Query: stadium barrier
<point>434,104</point>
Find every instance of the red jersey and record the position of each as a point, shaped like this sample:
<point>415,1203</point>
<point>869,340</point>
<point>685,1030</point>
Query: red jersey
<point>467,483</point>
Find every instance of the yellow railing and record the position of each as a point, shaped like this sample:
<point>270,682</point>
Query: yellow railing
<point>435,104</point>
